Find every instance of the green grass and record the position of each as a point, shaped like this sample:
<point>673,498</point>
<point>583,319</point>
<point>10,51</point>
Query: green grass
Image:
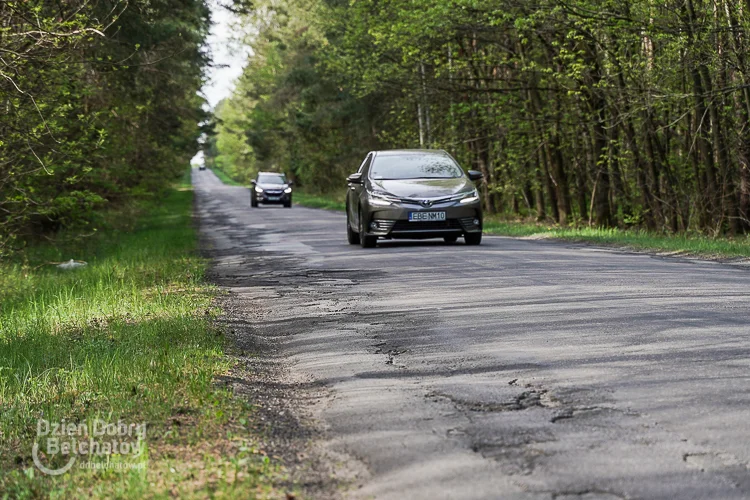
<point>320,201</point>
<point>694,244</point>
<point>224,177</point>
<point>128,337</point>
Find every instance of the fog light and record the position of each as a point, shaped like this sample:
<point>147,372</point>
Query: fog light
<point>476,222</point>
<point>373,225</point>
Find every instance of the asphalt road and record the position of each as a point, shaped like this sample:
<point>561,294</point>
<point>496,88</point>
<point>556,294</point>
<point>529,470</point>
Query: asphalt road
<point>516,369</point>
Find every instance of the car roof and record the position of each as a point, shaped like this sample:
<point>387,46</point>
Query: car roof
<point>395,152</point>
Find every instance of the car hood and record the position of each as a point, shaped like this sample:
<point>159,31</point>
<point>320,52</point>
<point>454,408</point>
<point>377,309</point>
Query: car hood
<point>423,188</point>
<point>272,186</point>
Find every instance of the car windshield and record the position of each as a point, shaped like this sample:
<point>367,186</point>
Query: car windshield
<point>271,179</point>
<point>415,166</point>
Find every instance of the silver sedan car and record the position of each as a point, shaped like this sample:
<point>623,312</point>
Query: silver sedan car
<point>412,194</point>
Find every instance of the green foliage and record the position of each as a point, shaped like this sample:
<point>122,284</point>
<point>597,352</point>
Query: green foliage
<point>599,113</point>
<point>97,104</point>
<point>288,113</point>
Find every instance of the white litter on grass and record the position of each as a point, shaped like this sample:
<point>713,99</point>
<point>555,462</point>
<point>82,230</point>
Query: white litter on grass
<point>72,264</point>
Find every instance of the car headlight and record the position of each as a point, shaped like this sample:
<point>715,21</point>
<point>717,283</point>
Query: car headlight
<point>382,199</point>
<point>258,189</point>
<point>470,197</point>
<point>288,190</point>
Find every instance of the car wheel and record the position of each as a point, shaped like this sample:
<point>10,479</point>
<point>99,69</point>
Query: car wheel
<point>288,204</point>
<point>351,236</point>
<point>365,240</point>
<point>473,238</point>
<point>253,203</point>
<point>450,239</point>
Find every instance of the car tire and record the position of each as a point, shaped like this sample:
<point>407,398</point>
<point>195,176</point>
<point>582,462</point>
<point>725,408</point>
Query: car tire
<point>365,240</point>
<point>450,239</point>
<point>473,238</point>
<point>253,203</point>
<point>351,236</point>
<point>288,204</point>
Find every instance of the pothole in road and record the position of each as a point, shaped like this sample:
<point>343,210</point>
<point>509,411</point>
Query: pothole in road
<point>513,461</point>
<point>587,495</point>
<point>516,447</point>
<point>527,399</point>
<point>578,412</point>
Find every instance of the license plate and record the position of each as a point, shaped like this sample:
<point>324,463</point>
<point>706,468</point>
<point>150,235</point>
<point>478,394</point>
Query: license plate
<point>426,216</point>
<point>274,198</point>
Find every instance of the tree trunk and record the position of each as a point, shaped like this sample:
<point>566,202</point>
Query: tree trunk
<point>539,190</point>
<point>550,182</point>
<point>559,178</point>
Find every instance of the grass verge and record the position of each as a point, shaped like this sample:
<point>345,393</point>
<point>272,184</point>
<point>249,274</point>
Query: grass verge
<point>128,338</point>
<point>697,245</point>
<point>320,201</point>
<point>223,177</point>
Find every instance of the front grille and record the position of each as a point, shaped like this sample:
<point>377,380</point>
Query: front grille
<point>273,193</point>
<point>403,225</point>
<point>432,202</point>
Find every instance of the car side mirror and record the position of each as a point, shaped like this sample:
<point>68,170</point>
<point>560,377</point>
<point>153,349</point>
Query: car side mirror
<point>354,178</point>
<point>253,183</point>
<point>290,183</point>
<point>475,175</point>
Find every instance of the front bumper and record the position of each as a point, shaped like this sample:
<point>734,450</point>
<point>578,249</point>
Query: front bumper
<point>393,222</point>
<point>273,197</point>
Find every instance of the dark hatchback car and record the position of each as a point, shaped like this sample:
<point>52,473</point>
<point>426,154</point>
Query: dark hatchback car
<point>271,188</point>
<point>412,194</point>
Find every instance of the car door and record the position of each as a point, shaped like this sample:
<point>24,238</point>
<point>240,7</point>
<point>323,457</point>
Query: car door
<point>355,191</point>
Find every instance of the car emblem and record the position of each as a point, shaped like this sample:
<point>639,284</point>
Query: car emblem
<point>426,203</point>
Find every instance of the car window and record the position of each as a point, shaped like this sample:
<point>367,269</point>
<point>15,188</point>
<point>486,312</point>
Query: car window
<point>415,166</point>
<point>271,179</point>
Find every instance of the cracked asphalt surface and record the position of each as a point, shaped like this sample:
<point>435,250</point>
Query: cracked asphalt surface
<point>516,369</point>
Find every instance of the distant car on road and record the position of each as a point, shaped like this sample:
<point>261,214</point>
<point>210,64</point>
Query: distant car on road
<point>271,188</point>
<point>412,194</point>
<point>202,167</point>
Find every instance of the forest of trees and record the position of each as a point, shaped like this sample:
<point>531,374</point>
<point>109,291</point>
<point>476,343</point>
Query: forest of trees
<point>98,104</point>
<point>630,113</point>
